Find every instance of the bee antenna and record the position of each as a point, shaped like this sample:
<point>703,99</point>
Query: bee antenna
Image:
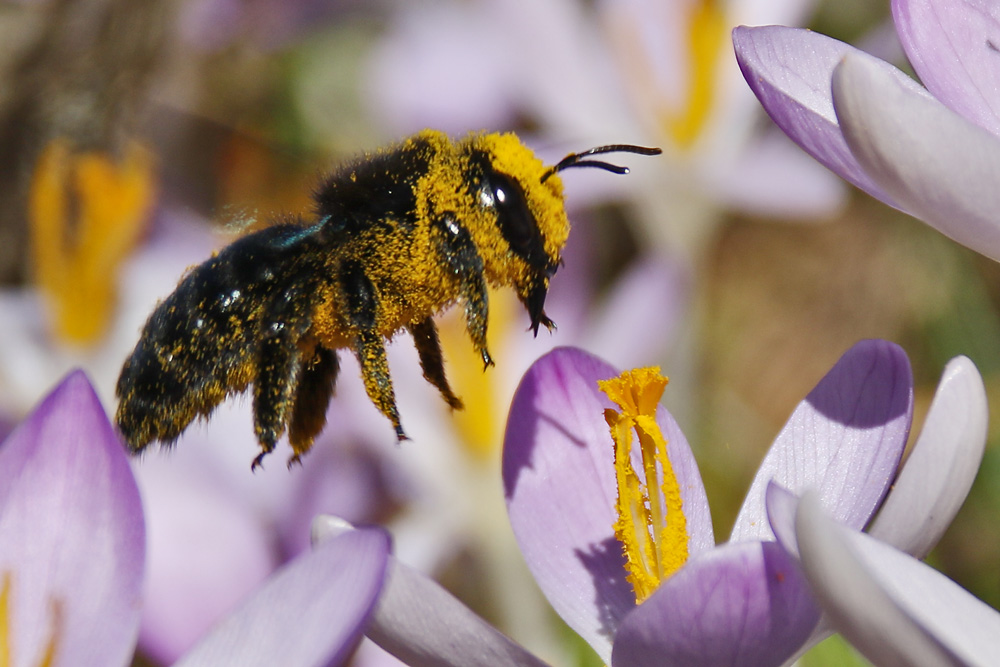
<point>577,159</point>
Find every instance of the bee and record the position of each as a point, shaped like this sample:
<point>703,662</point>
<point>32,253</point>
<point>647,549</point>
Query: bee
<point>398,236</point>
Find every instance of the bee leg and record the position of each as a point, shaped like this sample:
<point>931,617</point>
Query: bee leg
<point>425,337</point>
<point>375,372</point>
<point>457,249</point>
<point>312,397</point>
<point>279,363</point>
<point>534,302</point>
<point>362,309</point>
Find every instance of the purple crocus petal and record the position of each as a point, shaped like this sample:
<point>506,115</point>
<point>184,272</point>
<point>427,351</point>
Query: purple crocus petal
<point>742,603</point>
<point>937,165</point>
<point>845,439</point>
<point>789,70</point>
<point>72,540</point>
<point>559,482</point>
<point>893,608</point>
<point>954,46</point>
<point>311,612</point>
<point>942,466</point>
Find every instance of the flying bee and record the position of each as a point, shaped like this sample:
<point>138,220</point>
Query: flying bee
<point>399,236</point>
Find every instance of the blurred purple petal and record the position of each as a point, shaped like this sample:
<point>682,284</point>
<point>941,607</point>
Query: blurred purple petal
<point>954,46</point>
<point>311,612</point>
<point>789,70</point>
<point>444,67</point>
<point>890,606</point>
<point>345,478</point>
<point>207,551</point>
<point>658,288</point>
<point>937,165</point>
<point>740,604</point>
<point>845,439</point>
<point>559,480</point>
<point>421,623</point>
<point>940,469</point>
<point>73,540</point>
<point>772,177</point>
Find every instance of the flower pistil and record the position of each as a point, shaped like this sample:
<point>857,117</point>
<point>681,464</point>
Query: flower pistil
<point>651,525</point>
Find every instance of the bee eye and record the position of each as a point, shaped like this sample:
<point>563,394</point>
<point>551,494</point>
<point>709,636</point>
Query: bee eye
<point>514,218</point>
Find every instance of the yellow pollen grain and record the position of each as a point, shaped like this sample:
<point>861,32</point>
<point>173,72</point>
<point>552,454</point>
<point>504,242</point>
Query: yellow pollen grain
<point>87,211</point>
<point>651,525</point>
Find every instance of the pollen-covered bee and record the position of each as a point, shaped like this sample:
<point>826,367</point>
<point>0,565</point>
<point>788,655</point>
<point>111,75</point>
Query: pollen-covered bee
<point>399,235</point>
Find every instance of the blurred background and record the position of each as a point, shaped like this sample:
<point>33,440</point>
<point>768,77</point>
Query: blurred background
<point>136,138</point>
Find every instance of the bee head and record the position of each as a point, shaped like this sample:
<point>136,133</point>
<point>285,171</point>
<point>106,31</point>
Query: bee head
<point>526,201</point>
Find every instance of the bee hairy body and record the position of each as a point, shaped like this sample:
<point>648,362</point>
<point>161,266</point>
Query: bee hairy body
<point>398,236</point>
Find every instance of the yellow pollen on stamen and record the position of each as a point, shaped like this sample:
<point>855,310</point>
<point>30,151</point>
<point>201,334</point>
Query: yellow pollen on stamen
<point>651,525</point>
<point>707,34</point>
<point>87,211</point>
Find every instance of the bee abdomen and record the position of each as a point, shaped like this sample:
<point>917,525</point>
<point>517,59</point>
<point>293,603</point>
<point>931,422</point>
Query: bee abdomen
<point>200,343</point>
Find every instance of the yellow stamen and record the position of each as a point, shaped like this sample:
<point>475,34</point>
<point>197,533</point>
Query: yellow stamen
<point>707,32</point>
<point>87,211</point>
<point>48,657</point>
<point>52,647</point>
<point>477,424</point>
<point>651,525</point>
<point>5,652</point>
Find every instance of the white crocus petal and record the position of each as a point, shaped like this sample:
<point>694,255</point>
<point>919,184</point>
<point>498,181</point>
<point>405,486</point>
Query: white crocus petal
<point>421,623</point>
<point>934,163</point>
<point>851,597</point>
<point>781,507</point>
<point>326,526</point>
<point>942,466</point>
<point>890,606</point>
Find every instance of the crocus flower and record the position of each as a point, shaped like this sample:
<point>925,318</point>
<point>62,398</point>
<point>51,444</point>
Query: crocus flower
<point>933,152</point>
<point>73,554</point>
<point>890,606</point>
<point>745,601</point>
<point>72,537</point>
